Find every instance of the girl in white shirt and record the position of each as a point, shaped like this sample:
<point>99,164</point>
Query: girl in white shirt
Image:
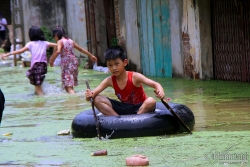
<point>38,68</point>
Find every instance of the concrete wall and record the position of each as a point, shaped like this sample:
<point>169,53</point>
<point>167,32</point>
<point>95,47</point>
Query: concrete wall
<point>66,13</point>
<point>129,32</point>
<point>176,7</point>
<point>43,13</point>
<point>76,23</point>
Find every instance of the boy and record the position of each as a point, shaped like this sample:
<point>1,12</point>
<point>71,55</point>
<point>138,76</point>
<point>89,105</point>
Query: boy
<point>127,86</point>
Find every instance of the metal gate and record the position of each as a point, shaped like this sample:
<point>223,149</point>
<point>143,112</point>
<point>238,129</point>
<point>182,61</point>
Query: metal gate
<point>231,35</point>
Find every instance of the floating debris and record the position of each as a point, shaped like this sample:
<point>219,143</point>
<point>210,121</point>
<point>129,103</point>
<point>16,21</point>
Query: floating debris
<point>7,134</point>
<point>100,153</point>
<point>64,132</point>
<point>137,160</point>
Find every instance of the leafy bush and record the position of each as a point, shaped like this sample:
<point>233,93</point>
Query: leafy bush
<point>47,34</point>
<point>49,38</point>
<point>1,50</point>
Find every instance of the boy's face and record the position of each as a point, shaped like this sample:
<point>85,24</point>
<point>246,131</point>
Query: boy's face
<point>116,66</point>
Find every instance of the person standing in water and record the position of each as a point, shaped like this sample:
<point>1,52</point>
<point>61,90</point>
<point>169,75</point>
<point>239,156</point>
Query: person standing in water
<point>38,47</point>
<point>69,62</point>
<point>3,25</point>
<point>2,101</point>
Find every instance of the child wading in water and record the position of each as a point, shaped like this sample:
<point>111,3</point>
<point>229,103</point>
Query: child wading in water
<point>38,67</point>
<point>69,63</point>
<point>127,85</point>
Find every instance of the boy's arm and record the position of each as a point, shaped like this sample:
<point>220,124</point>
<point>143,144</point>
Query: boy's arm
<point>141,79</point>
<point>103,85</point>
<point>15,52</point>
<point>92,57</point>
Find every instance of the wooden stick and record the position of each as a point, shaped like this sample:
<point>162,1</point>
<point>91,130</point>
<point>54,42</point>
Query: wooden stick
<point>176,116</point>
<point>96,118</point>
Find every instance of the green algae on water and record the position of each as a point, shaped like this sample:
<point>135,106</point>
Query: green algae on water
<point>221,112</point>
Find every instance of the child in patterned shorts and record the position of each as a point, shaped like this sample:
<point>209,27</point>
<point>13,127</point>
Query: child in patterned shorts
<point>38,68</point>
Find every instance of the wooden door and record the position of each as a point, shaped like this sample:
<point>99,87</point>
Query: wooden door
<point>154,35</point>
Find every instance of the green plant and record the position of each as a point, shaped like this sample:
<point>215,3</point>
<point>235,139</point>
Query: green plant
<point>47,34</point>
<point>1,50</point>
<point>114,41</point>
<point>49,38</point>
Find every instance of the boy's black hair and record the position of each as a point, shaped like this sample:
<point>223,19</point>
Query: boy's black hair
<point>59,31</point>
<point>115,52</point>
<point>36,34</point>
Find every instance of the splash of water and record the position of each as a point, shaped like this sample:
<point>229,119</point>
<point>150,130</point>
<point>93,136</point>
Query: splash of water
<point>107,137</point>
<point>50,89</point>
<point>5,63</point>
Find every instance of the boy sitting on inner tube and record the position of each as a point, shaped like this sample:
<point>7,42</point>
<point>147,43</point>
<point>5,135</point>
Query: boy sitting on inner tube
<point>127,85</point>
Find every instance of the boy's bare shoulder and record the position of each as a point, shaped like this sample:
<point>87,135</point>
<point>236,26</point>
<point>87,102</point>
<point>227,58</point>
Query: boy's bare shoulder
<point>108,81</point>
<point>137,75</point>
<point>109,78</point>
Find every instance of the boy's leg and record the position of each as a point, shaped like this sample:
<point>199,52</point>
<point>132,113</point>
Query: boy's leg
<point>70,89</point>
<point>147,106</point>
<point>104,106</point>
<point>39,90</point>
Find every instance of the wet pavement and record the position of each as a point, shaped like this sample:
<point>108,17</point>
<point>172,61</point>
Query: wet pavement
<point>28,133</point>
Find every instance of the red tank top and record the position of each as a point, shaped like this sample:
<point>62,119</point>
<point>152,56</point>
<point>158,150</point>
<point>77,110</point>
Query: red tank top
<point>130,94</point>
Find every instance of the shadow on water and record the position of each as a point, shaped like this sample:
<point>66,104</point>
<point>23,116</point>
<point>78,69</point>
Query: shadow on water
<point>21,126</point>
<point>35,121</point>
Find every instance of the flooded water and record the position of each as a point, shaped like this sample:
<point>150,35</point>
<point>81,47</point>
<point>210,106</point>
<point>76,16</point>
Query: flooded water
<point>28,133</point>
